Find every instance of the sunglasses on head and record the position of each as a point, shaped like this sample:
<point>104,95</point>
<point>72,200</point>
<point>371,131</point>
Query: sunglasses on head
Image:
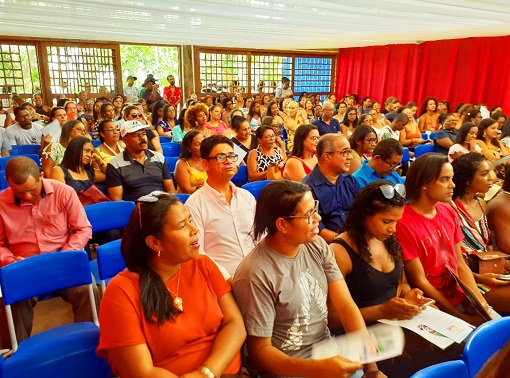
<point>389,191</point>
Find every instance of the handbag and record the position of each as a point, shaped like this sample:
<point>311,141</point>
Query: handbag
<point>92,195</point>
<point>274,173</point>
<point>487,262</point>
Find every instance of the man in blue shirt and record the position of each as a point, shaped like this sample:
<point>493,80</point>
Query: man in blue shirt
<point>331,183</point>
<point>327,124</point>
<point>386,158</point>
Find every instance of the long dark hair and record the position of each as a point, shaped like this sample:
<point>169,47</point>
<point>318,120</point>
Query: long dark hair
<point>73,156</point>
<point>157,105</point>
<point>186,144</point>
<point>346,117</point>
<point>463,132</point>
<point>482,126</point>
<point>299,138</point>
<point>370,201</point>
<point>278,199</point>
<point>157,302</point>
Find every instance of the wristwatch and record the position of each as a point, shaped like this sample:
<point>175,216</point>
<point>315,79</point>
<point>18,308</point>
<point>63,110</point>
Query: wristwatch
<point>205,370</point>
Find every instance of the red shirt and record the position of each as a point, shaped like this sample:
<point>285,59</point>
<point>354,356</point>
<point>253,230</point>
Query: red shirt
<point>173,96</point>
<point>57,221</point>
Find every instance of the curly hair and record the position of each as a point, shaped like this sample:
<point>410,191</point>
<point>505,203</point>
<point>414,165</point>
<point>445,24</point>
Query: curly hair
<point>370,201</point>
<point>192,113</point>
<point>464,171</point>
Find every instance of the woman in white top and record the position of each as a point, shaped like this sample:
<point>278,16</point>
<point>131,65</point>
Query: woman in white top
<point>464,142</point>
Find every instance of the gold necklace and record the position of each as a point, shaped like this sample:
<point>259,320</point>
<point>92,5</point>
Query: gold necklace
<point>177,299</point>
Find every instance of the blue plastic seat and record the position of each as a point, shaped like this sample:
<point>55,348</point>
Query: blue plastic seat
<point>112,215</point>
<point>422,149</point>
<point>484,342</point>
<point>171,162</point>
<point>241,177</point>
<point>5,159</point>
<point>3,181</point>
<point>406,157</point>
<point>109,261</point>
<point>171,149</point>
<point>68,350</point>
<point>25,149</point>
<point>96,143</point>
<point>183,197</point>
<point>448,369</point>
<point>256,187</point>
<point>164,139</point>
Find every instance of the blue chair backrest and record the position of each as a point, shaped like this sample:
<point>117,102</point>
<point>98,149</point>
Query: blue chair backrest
<point>171,149</point>
<point>483,342</point>
<point>432,135</point>
<point>5,159</point>
<point>44,273</point>
<point>25,149</point>
<point>164,139</point>
<point>256,187</point>
<point>3,181</point>
<point>406,157</point>
<point>171,161</point>
<point>96,143</point>
<point>110,260</point>
<point>422,149</point>
<point>109,215</point>
<point>183,197</point>
<point>241,177</point>
<point>449,369</point>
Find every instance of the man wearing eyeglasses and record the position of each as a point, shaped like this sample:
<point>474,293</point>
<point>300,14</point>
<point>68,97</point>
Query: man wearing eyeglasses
<point>386,159</point>
<point>331,183</point>
<point>223,213</point>
<point>24,131</point>
<point>326,123</point>
<point>137,171</point>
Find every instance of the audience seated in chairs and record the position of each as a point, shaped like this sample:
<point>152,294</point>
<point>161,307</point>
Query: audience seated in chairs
<point>186,321</point>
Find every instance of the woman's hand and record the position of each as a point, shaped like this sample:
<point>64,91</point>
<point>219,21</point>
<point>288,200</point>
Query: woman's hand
<point>337,366</point>
<point>400,309</point>
<point>414,296</point>
<point>194,374</point>
<point>374,374</point>
<point>492,279</point>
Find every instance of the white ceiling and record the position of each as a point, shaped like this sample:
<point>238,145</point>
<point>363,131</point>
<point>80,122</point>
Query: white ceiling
<point>258,24</point>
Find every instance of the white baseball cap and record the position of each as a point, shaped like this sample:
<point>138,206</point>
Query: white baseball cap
<point>129,127</point>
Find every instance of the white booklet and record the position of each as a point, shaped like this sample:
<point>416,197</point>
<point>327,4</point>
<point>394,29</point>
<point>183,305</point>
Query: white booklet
<point>436,326</point>
<point>54,129</point>
<point>376,343</point>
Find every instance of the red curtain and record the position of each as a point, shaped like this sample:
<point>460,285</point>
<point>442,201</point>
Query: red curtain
<point>470,70</point>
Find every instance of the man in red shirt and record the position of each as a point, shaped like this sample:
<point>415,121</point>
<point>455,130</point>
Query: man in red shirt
<point>37,216</point>
<point>171,93</point>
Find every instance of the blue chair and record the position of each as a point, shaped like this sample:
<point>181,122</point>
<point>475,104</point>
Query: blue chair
<point>483,342</point>
<point>109,261</point>
<point>112,215</point>
<point>171,161</point>
<point>25,149</point>
<point>96,143</point>
<point>183,197</point>
<point>3,181</point>
<point>406,157</point>
<point>5,159</point>
<point>256,187</point>
<point>241,177</point>
<point>422,149</point>
<point>164,139</point>
<point>448,369</point>
<point>171,149</point>
<point>432,135</point>
<point>68,350</point>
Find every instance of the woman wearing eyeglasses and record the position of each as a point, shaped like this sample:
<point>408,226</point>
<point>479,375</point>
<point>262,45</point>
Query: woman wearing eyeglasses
<point>171,313</point>
<point>53,153</point>
<point>243,138</point>
<point>110,145</point>
<point>303,157</point>
<point>277,128</point>
<point>370,258</point>
<point>363,141</point>
<point>350,121</point>
<point>283,285</point>
<point>266,156</point>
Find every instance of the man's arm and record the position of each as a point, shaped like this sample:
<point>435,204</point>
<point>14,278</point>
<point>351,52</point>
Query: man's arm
<point>79,226</point>
<point>169,186</point>
<point>6,255</point>
<point>114,183</point>
<point>115,193</point>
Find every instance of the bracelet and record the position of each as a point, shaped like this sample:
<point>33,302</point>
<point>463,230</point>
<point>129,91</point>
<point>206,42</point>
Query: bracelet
<point>206,371</point>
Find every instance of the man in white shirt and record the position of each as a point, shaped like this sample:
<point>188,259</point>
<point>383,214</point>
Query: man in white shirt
<point>223,213</point>
<point>130,91</point>
<point>5,147</point>
<point>24,131</point>
<point>284,90</point>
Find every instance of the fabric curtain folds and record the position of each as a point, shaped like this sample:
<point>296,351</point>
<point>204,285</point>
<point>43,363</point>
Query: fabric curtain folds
<point>470,70</point>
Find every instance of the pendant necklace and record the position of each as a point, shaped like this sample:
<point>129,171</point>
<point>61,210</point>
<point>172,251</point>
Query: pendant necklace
<point>177,299</point>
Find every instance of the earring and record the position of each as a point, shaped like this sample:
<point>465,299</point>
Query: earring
<point>159,253</point>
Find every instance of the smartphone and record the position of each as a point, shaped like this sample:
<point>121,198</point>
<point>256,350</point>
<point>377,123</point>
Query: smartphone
<point>425,304</point>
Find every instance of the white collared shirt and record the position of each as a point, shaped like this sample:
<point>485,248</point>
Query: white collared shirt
<point>224,229</point>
